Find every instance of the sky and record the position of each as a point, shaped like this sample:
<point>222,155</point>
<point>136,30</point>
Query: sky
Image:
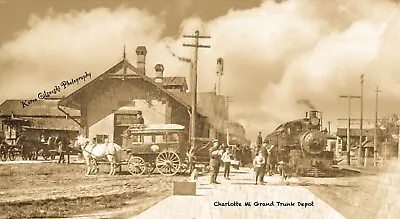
<point>277,56</point>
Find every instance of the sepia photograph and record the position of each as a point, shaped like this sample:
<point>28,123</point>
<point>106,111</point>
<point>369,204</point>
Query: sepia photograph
<point>200,109</point>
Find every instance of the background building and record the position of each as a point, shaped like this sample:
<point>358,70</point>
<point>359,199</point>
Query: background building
<point>367,133</point>
<point>42,116</point>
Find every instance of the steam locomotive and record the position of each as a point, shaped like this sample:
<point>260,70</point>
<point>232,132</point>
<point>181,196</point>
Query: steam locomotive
<point>302,145</point>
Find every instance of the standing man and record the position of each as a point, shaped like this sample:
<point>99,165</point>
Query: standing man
<point>139,118</point>
<point>215,159</point>
<point>264,153</point>
<point>61,148</point>
<point>226,158</point>
<point>270,160</point>
<point>259,139</point>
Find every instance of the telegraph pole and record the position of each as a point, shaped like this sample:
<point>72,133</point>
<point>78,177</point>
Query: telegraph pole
<point>398,141</point>
<point>228,100</point>
<point>376,125</point>
<point>329,127</point>
<point>220,73</point>
<point>361,122</point>
<point>196,45</point>
<point>348,128</point>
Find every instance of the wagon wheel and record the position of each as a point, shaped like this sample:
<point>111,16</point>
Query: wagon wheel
<point>3,153</point>
<point>168,163</point>
<point>11,154</point>
<point>136,165</point>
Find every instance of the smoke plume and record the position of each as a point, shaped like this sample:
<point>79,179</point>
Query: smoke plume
<point>306,103</point>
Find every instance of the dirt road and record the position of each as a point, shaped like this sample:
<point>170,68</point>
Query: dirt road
<point>60,190</point>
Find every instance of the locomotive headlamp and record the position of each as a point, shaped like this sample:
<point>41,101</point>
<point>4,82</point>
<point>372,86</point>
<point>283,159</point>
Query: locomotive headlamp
<point>314,121</point>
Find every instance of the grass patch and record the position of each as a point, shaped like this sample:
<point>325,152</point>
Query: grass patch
<point>63,207</point>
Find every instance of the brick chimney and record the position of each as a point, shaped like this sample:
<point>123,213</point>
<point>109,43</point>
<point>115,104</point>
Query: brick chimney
<point>141,52</point>
<point>159,73</point>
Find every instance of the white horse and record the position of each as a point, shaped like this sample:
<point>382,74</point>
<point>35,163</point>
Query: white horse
<point>92,152</point>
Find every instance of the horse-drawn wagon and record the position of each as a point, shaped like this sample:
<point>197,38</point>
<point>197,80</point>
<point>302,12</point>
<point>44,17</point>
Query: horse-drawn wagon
<point>12,129</point>
<point>161,147</point>
<point>18,138</point>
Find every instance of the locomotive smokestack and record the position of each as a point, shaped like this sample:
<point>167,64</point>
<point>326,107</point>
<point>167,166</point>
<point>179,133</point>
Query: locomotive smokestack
<point>313,114</point>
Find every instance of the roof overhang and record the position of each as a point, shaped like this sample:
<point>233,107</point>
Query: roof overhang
<point>74,100</point>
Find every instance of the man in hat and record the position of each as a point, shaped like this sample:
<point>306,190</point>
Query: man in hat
<point>259,139</point>
<point>264,152</point>
<point>139,118</point>
<point>215,161</point>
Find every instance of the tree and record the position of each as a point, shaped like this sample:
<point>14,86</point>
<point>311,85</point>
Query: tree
<point>389,129</point>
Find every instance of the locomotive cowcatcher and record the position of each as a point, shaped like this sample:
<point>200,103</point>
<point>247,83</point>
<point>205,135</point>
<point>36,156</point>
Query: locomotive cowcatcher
<point>302,145</point>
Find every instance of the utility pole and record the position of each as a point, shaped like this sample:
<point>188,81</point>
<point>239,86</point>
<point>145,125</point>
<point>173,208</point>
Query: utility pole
<point>376,125</point>
<point>196,45</point>
<point>361,122</point>
<point>348,128</point>
<point>398,141</point>
<point>220,73</point>
<point>227,99</point>
<point>329,127</point>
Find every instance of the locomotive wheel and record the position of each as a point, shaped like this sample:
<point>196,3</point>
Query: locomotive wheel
<point>168,163</point>
<point>3,153</point>
<point>136,165</point>
<point>11,154</point>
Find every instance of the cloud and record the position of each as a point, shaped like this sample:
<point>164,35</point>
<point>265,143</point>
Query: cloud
<point>274,55</point>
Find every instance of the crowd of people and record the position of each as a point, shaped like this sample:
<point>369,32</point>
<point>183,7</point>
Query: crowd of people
<point>228,157</point>
<point>58,143</point>
<point>262,156</point>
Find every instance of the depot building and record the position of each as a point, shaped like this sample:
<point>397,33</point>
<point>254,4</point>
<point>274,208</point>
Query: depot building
<point>109,103</point>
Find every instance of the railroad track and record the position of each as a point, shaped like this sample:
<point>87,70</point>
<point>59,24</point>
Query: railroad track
<point>361,201</point>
